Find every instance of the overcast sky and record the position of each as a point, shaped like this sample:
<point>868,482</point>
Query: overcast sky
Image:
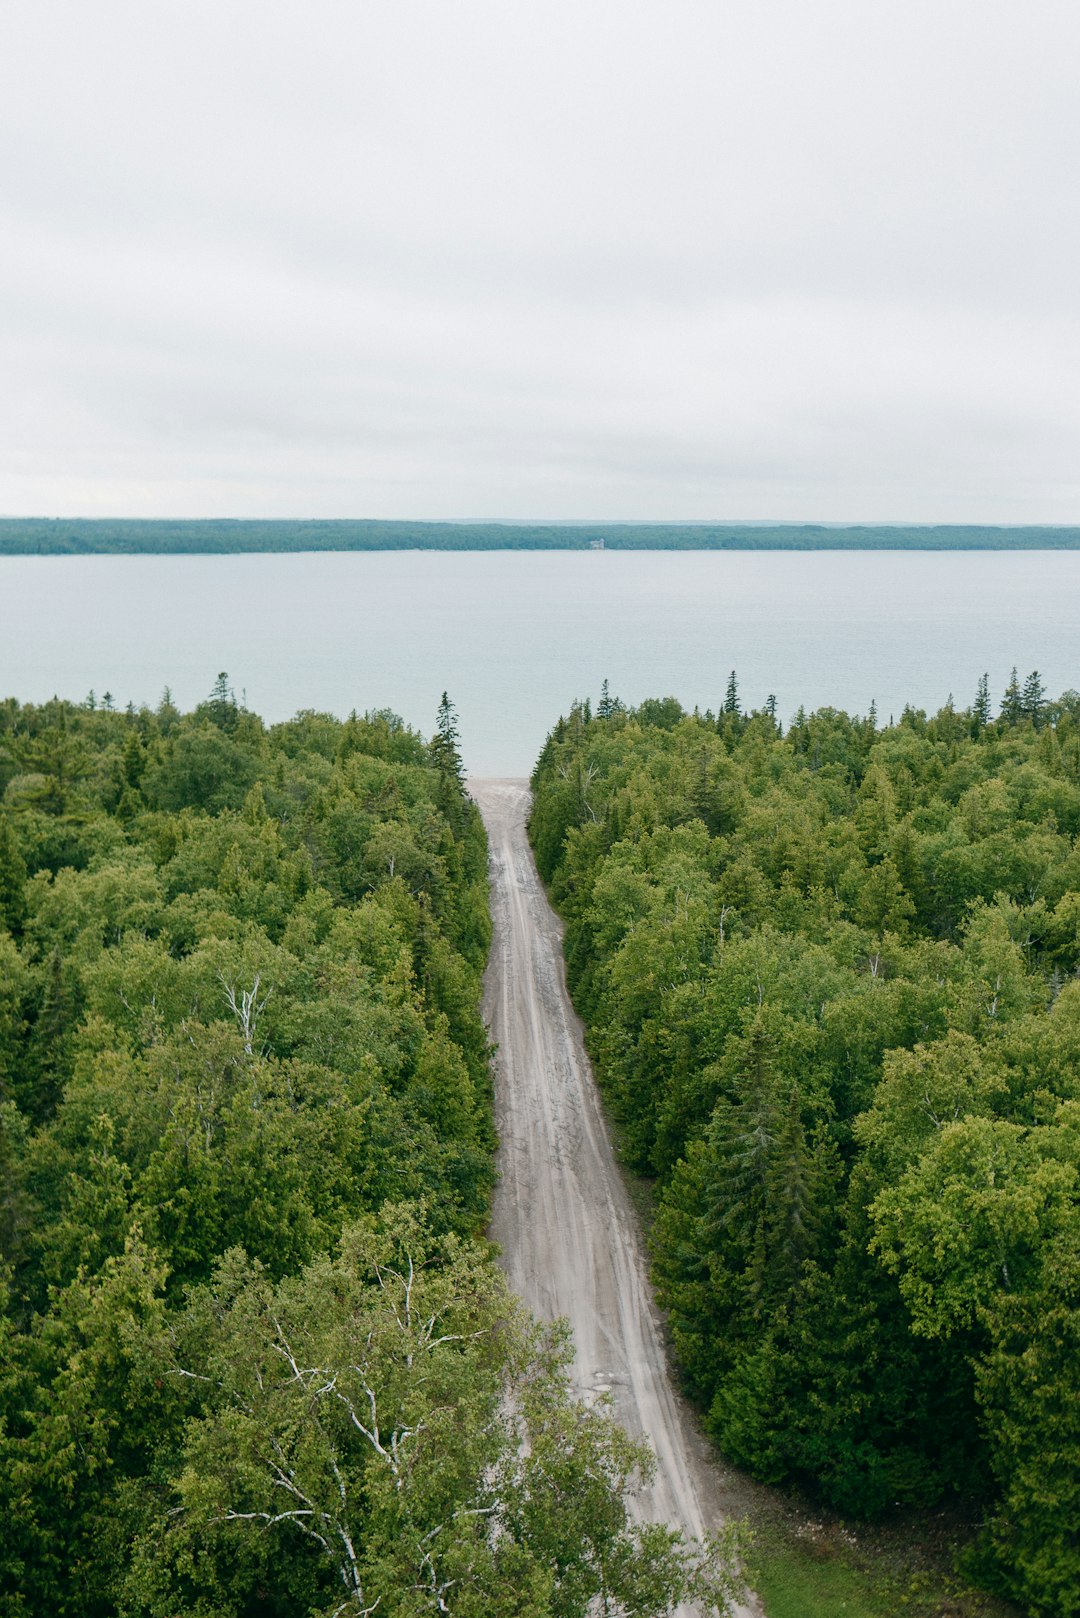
<point>580,258</point>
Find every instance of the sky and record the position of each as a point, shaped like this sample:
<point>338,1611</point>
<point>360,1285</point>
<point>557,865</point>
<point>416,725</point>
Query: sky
<point>624,259</point>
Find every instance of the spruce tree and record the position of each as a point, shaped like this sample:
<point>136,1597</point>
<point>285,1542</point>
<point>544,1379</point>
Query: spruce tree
<point>742,1138</point>
<point>980,710</point>
<point>133,763</point>
<point>12,878</point>
<point>792,1201</point>
<point>1012,703</point>
<point>221,704</point>
<point>444,744</point>
<point>47,1064</point>
<point>1033,699</point>
<point>168,714</point>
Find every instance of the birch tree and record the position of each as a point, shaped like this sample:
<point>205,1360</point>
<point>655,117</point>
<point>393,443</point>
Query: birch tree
<point>391,1424</point>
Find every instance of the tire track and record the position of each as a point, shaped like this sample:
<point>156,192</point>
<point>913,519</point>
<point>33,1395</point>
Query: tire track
<point>570,1239</point>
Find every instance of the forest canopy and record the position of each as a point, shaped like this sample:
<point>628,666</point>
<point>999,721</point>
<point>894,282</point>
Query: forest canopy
<point>255,1354</point>
<point>830,982</point>
<point>88,536</point>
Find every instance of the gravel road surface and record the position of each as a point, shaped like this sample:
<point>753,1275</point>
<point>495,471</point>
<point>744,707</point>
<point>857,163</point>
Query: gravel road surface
<point>570,1238</point>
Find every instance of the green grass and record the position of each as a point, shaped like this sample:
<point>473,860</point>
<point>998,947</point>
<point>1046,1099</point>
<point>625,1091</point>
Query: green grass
<point>828,1570</point>
<point>793,1584</point>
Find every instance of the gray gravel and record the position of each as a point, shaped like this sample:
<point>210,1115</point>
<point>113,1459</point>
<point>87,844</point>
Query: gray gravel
<point>571,1240</point>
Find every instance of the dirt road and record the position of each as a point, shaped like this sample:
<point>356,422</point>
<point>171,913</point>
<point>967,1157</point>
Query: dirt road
<point>570,1238</point>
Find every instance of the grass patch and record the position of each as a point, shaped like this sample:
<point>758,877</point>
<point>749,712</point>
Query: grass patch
<point>827,1570</point>
<point>792,1583</point>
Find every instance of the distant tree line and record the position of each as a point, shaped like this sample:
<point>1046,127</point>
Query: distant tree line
<point>255,1354</point>
<point>830,979</point>
<point>94,536</point>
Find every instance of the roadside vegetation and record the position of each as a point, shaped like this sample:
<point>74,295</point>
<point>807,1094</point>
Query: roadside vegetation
<point>830,984</point>
<point>255,1354</point>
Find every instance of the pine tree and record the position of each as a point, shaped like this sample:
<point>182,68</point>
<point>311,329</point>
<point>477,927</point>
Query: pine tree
<point>1033,699</point>
<point>168,714</point>
<point>133,762</point>
<point>875,812</point>
<point>731,697</point>
<point>12,878</point>
<point>47,1065</point>
<point>792,1202</point>
<point>444,744</point>
<point>741,1139</point>
<point>607,705</point>
<point>57,754</point>
<point>981,713</point>
<point>1012,703</point>
<point>221,704</point>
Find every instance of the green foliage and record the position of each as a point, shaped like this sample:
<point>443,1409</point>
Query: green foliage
<point>1026,1386</point>
<point>826,978</point>
<point>387,1430</point>
<point>254,1357</point>
<point>92,536</point>
<point>12,878</point>
<point>239,1011</point>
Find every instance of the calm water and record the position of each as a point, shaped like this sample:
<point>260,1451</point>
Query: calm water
<point>516,637</point>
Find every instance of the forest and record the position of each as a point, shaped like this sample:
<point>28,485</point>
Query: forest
<point>830,983</point>
<point>91,536</point>
<point>256,1356</point>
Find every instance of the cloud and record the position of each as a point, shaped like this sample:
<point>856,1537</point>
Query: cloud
<point>690,259</point>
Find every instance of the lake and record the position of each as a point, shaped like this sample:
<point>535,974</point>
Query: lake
<point>516,636</point>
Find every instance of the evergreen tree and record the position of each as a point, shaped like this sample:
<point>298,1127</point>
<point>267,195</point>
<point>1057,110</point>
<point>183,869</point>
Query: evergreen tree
<point>863,1184</point>
<point>1033,699</point>
<point>221,704</point>
<point>792,1200</point>
<point>168,714</point>
<point>742,1138</point>
<point>731,697</point>
<point>1012,703</point>
<point>445,751</point>
<point>12,877</point>
<point>41,1081</point>
<point>134,761</point>
<point>60,757</point>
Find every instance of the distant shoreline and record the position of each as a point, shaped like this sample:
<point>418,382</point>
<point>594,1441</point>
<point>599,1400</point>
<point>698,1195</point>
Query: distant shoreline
<point>104,536</point>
